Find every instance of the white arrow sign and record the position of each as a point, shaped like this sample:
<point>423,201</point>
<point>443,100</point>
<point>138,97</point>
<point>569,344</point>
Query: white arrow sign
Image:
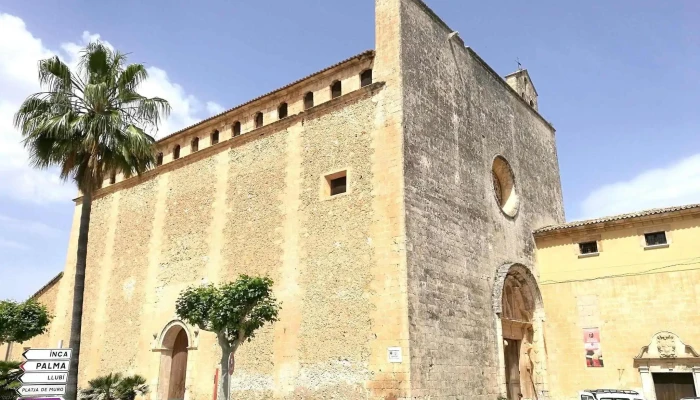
<point>42,390</point>
<point>45,366</point>
<point>44,377</point>
<point>48,354</point>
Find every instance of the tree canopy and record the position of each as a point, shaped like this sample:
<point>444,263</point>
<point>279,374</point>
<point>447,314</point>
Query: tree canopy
<point>20,322</point>
<point>91,123</point>
<point>234,311</point>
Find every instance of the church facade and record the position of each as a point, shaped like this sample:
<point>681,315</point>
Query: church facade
<point>392,198</point>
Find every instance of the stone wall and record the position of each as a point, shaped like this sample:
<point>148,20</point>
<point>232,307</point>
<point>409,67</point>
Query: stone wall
<point>459,115</point>
<point>256,204</point>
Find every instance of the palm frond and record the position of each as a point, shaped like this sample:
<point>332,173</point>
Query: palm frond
<point>55,75</point>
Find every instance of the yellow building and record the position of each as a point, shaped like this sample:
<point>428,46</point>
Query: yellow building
<point>621,300</point>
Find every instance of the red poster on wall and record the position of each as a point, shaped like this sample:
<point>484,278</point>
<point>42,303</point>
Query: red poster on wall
<point>591,344</point>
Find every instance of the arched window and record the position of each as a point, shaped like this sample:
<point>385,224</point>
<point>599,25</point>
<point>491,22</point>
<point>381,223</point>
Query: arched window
<point>366,77</point>
<point>336,89</point>
<point>159,159</point>
<point>258,120</point>
<point>176,152</point>
<point>112,178</point>
<point>522,95</point>
<point>194,145</point>
<point>215,137</point>
<point>282,111</point>
<point>308,100</point>
<point>532,103</point>
<point>236,128</point>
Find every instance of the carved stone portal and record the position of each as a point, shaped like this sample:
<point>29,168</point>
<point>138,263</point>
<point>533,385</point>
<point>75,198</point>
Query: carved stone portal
<point>666,353</point>
<point>666,345</point>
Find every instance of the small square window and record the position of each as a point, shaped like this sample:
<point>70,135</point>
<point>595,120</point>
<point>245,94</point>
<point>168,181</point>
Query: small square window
<point>588,247</point>
<point>655,238</point>
<point>336,184</point>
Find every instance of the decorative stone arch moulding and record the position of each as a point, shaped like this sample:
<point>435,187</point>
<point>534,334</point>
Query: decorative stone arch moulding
<point>524,275</point>
<point>168,333</point>
<point>666,353</point>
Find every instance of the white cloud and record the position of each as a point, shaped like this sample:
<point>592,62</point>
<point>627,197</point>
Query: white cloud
<point>675,184</point>
<point>214,108</point>
<point>19,53</point>
<point>8,224</point>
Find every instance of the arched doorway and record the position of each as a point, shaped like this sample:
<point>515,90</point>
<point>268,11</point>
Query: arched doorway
<point>519,317</point>
<point>175,344</point>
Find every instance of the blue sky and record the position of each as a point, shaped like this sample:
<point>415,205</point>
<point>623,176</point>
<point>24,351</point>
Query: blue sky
<point>620,81</point>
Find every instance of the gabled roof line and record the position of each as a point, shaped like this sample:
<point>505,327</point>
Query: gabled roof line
<point>47,285</point>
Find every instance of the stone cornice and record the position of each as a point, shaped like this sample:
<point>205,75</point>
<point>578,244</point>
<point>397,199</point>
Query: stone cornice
<point>272,128</point>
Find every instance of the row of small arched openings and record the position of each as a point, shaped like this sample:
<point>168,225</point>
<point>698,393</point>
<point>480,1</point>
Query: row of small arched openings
<point>282,112</point>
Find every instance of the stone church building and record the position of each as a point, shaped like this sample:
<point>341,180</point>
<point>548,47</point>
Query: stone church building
<point>392,197</point>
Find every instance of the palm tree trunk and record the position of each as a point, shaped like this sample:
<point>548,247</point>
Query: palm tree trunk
<point>78,289</point>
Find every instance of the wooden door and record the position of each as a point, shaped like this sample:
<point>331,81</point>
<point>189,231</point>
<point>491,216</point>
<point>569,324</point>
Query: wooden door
<point>673,386</point>
<point>512,359</point>
<point>178,367</point>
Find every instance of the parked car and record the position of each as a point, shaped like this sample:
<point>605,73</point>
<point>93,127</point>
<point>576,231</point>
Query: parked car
<point>610,394</point>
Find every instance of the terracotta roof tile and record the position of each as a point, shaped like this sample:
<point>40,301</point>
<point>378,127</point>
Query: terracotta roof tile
<point>638,214</point>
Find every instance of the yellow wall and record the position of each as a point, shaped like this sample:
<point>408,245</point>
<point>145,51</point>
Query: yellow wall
<point>629,293</point>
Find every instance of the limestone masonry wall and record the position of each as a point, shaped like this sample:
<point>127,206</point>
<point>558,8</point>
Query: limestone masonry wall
<point>459,115</point>
<point>257,204</point>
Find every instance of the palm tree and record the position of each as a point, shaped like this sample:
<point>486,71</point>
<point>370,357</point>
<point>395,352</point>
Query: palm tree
<point>89,124</point>
<point>115,387</point>
<point>9,373</point>
<point>102,388</point>
<point>132,386</point>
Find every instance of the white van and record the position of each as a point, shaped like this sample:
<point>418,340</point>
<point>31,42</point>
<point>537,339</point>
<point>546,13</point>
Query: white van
<point>610,394</point>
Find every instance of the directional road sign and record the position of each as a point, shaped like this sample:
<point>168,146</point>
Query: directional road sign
<point>47,354</point>
<point>44,377</point>
<point>45,366</point>
<point>42,390</point>
<point>41,398</point>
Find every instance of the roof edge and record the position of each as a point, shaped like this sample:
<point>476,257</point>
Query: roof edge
<point>367,53</point>
<point>46,287</point>
<point>583,225</point>
<point>508,87</point>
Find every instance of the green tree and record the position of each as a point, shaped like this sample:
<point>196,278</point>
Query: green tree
<point>114,386</point>
<point>20,322</point>
<point>233,311</point>
<point>9,373</point>
<point>89,124</point>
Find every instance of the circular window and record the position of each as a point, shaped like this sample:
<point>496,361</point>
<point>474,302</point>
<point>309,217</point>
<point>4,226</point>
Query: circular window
<point>504,186</point>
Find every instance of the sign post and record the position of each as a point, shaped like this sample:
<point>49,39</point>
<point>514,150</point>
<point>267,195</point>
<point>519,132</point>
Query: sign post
<point>45,374</point>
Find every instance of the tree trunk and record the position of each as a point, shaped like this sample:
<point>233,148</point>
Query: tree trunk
<point>78,289</point>
<point>224,385</point>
